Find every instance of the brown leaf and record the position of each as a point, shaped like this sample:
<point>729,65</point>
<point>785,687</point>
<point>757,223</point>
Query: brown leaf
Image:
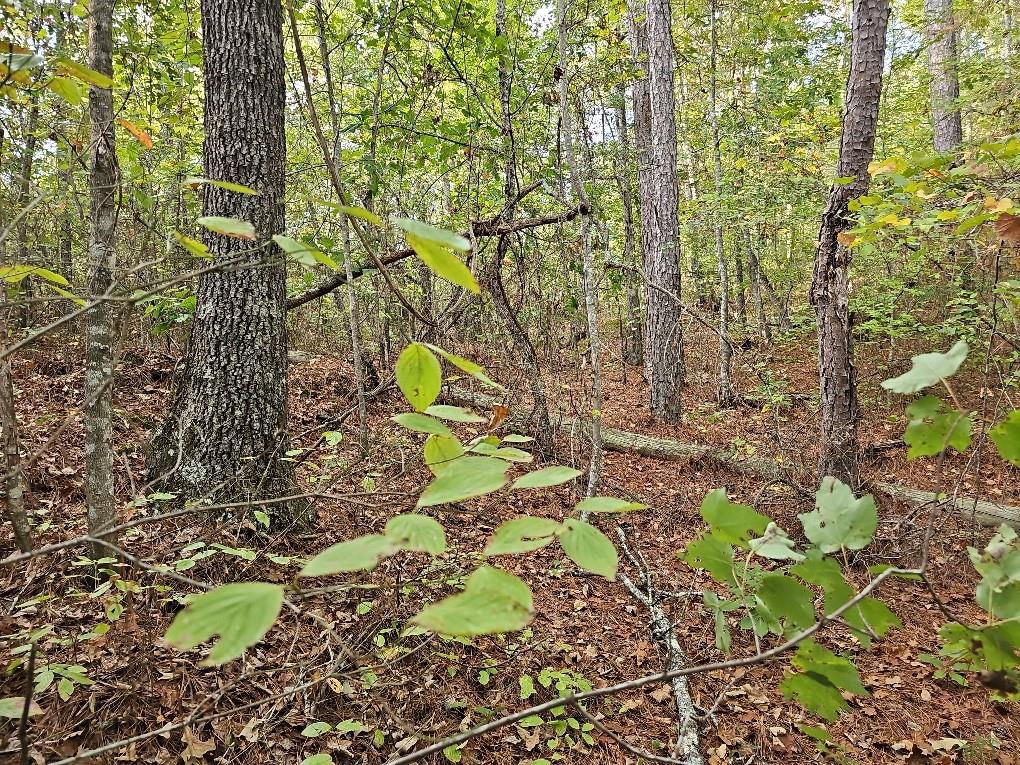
<point>499,413</point>
<point>1007,226</point>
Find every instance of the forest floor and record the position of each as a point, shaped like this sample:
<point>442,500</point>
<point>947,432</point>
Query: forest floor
<point>404,689</point>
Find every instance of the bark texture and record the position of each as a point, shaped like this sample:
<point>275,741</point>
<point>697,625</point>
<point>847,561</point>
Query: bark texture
<point>658,190</point>
<point>226,433</point>
<point>830,287</point>
<point>943,64</point>
<point>99,336</point>
<point>14,478</point>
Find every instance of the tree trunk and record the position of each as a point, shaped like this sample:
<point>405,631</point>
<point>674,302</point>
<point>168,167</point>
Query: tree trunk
<point>632,331</point>
<point>943,64</point>
<point>655,129</point>
<point>102,261</point>
<point>25,257</point>
<point>754,266</point>
<point>830,288</point>
<point>226,433</point>
<point>14,477</point>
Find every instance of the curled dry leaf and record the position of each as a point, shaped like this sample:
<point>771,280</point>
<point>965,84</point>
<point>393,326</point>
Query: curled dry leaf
<point>1007,226</point>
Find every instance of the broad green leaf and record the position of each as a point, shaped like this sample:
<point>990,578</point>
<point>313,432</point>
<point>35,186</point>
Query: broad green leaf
<point>1006,436</point>
<point>823,676</point>
<point>841,520</point>
<point>492,601</point>
<point>358,554</point>
<point>788,599</point>
<point>507,453</point>
<point>814,693</point>
<point>438,236</point>
<point>607,505</point>
<point>419,376</point>
<point>194,181</point>
<point>12,706</point>
<point>934,426</point>
<point>470,367</point>
<point>66,88</point>
<point>357,212</point>
<point>350,726</point>
<point>232,227</point>
<point>305,254</point>
<point>515,438</point>
<point>928,369</point>
<point>714,556</point>
<point>316,729</point>
<point>589,548</point>
<point>15,273</point>
<point>416,532</point>
<point>318,759</point>
<point>452,413</point>
<point>421,423</point>
<point>193,246</point>
<point>522,535</point>
<point>775,544</point>
<point>729,521</point>
<point>440,451</point>
<point>240,613</point>
<point>442,263</point>
<point>83,73</point>
<point>547,476</point>
<point>465,478</point>
<point>20,62</point>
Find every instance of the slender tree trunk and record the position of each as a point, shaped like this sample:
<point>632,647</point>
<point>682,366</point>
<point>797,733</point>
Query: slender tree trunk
<point>226,433</point>
<point>102,261</point>
<point>24,191</point>
<point>943,63</point>
<point>690,190</point>
<point>830,288</point>
<point>655,129</point>
<point>632,331</point>
<point>14,477</point>
<point>754,266</point>
<point>740,292</point>
<point>724,391</point>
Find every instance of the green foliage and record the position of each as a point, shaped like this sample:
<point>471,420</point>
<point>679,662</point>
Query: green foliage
<point>607,505</point>
<point>589,548</point>
<point>416,532</point>
<point>934,427</point>
<point>240,613</point>
<point>419,376</point>
<point>788,600</point>
<point>440,451</point>
<point>492,601</point>
<point>232,227</point>
<point>840,520</point>
<point>731,522</point>
<point>1006,437</point>
<point>544,477</point>
<point>452,413</point>
<point>928,369</point>
<point>522,535</point>
<point>821,680</point>
<point>422,423</point>
<point>465,478</point>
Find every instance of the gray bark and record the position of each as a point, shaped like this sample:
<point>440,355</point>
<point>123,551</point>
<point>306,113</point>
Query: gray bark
<point>14,477</point>
<point>943,64</point>
<point>226,432</point>
<point>632,331</point>
<point>655,136</point>
<point>830,288</point>
<point>754,266</point>
<point>99,331</point>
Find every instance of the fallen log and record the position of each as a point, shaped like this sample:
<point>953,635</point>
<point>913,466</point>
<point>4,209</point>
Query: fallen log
<point>970,508</point>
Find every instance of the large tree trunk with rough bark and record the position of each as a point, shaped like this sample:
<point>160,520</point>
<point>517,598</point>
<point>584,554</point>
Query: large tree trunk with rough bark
<point>943,64</point>
<point>226,433</point>
<point>830,288</point>
<point>658,190</point>
<point>102,259</point>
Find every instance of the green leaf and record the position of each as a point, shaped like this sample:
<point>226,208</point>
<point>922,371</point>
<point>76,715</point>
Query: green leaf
<point>419,376</point>
<point>318,759</point>
<point>452,753</point>
<point>814,693</point>
<point>822,678</point>
<point>350,726</point>
<point>66,88</point>
<point>15,273</point>
<point>928,369</point>
<point>589,548</point>
<point>547,476</point>
<point>438,236</point>
<point>607,505</point>
<point>492,601</point>
<point>729,521</point>
<point>515,438</point>
<point>358,554</point>
<point>467,366</point>
<point>1006,436</point>
<point>934,426</point>
<point>775,544</point>
<point>440,451</point>
<point>416,532</point>
<point>714,556</point>
<point>841,520</point>
<point>522,535</point>
<point>305,254</point>
<point>507,453</point>
<point>442,263</point>
<point>465,478</point>
<point>12,706</point>
<point>357,212</point>
<point>421,423</point>
<point>232,227</point>
<point>193,246</point>
<point>192,180</point>
<point>316,729</point>
<point>788,599</point>
<point>83,73</point>
<point>453,413</point>
<point>240,613</point>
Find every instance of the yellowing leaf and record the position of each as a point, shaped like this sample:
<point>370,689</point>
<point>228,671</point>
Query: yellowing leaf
<point>140,135</point>
<point>83,73</point>
<point>846,239</point>
<point>238,229</point>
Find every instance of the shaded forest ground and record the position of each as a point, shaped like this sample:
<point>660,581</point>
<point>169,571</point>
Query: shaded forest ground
<point>411,688</point>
